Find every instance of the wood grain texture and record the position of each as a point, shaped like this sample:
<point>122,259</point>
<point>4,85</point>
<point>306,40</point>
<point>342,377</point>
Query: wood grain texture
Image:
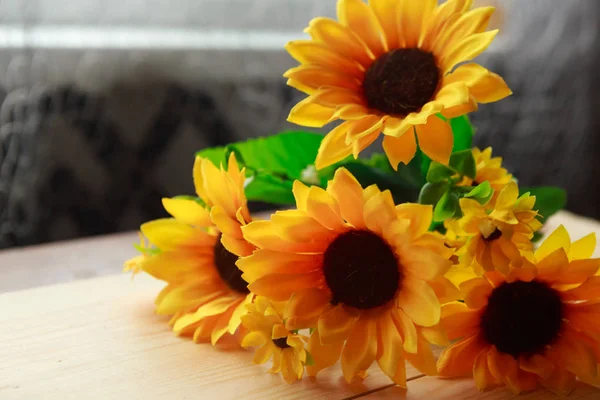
<point>100,339</point>
<point>428,387</point>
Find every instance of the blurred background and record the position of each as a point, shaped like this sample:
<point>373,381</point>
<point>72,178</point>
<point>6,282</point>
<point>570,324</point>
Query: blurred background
<point>103,103</point>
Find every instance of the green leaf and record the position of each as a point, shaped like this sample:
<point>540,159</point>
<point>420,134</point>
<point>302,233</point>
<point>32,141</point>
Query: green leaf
<point>548,199</point>
<point>537,236</point>
<point>446,208</point>
<point>464,163</point>
<point>431,193</point>
<point>463,133</point>
<point>482,192</point>
<point>309,359</point>
<point>439,173</point>
<point>272,163</point>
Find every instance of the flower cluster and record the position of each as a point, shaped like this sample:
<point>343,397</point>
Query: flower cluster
<point>358,269</point>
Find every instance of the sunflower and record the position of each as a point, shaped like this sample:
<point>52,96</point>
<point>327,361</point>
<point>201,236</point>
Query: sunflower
<point>196,252</point>
<point>134,265</point>
<point>538,325</point>
<point>365,273</point>
<point>488,169</point>
<point>267,331</point>
<point>390,66</point>
<point>498,236</point>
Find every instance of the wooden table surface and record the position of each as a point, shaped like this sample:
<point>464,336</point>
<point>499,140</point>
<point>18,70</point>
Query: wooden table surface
<point>73,327</point>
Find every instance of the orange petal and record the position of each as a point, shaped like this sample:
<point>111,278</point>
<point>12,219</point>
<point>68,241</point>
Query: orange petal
<point>445,290</point>
<point>359,17</point>
<point>348,192</point>
<point>311,52</point>
<point>333,147</point>
<point>299,227</point>
<point>263,235</point>
<point>580,270</point>
<point>481,372</point>
<point>436,139</point>
<point>335,325</point>
<point>538,365</point>
<point>390,355</point>
<point>400,149</point>
<point>458,359</point>
<point>423,360</point>
<point>589,290</point>
<point>305,307</point>
<point>221,326</point>
<point>324,209</point>
<point>337,97</point>
<point>340,39</point>
<point>323,355</point>
<point>420,216</point>
<point>418,300</point>
<point>360,349</point>
<point>280,287</point>
<point>476,292</point>
<point>459,321</point>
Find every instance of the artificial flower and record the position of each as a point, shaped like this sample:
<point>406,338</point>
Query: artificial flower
<point>134,265</point>
<point>498,236</point>
<point>391,66</point>
<point>196,252</point>
<point>538,325</point>
<point>488,169</point>
<point>365,273</point>
<point>267,332</point>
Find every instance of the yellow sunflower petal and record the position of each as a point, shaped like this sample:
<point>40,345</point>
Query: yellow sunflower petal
<point>436,139</point>
<point>466,49</point>
<point>552,267</point>
<point>423,359</point>
<point>323,355</point>
<point>263,354</point>
<point>359,17</point>
<point>469,23</point>
<point>254,339</point>
<point>340,39</point>
<point>181,298</point>
<point>384,10</point>
<point>418,300</point>
<point>379,211</point>
<point>265,262</point>
<point>324,209</point>
<point>168,234</point>
<point>337,98</point>
<point>277,362</point>
<point>221,326</point>
<point>420,216</point>
<point>312,77</point>
<point>280,287</point>
<point>263,235</point>
<point>187,211</point>
<point>300,227</point>
<point>558,239</point>
<point>335,325</point>
<point>423,263</point>
<point>360,349</point>
<point>411,19</point>
<point>348,192</point>
<point>236,318</point>
<point>583,248</point>
<point>484,85</point>
<point>407,330</point>
<point>445,290</point>
<point>333,147</point>
<point>457,359</point>
<point>453,95</point>
<point>390,354</point>
<point>400,149</point>
<point>311,52</point>
<point>308,113</point>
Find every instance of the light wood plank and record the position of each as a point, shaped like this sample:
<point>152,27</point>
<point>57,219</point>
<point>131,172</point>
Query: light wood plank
<point>99,339</point>
<point>427,387</point>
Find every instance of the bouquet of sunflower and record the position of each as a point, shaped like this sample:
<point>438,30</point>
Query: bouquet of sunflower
<point>374,260</point>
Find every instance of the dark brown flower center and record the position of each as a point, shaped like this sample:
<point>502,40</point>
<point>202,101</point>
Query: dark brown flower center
<point>401,81</point>
<point>495,235</point>
<point>522,317</point>
<point>281,343</point>
<point>361,270</point>
<point>228,271</point>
